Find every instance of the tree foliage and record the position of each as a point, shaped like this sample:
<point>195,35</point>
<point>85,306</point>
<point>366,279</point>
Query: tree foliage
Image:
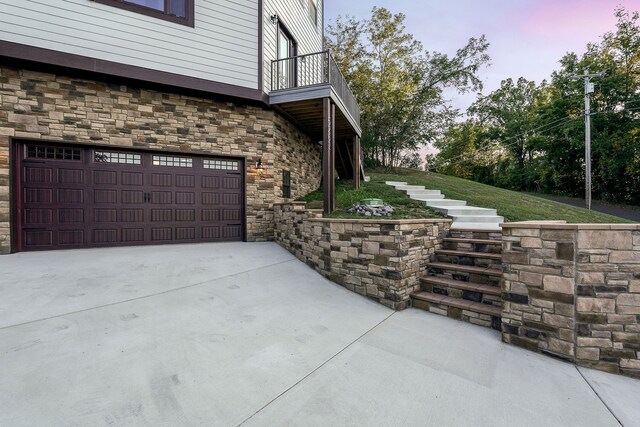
<point>400,86</point>
<point>531,137</point>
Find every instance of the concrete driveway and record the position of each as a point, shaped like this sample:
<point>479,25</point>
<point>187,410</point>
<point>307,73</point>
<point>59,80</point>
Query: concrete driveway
<point>243,333</point>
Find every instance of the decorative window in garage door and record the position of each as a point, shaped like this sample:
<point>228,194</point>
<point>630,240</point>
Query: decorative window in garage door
<point>226,165</point>
<point>180,162</point>
<point>122,158</point>
<point>57,153</point>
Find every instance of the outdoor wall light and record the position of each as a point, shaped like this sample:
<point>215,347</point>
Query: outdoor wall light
<point>274,19</point>
<point>259,167</point>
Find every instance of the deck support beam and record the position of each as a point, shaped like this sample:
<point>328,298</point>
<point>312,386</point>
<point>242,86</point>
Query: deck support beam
<point>328,154</point>
<point>356,162</point>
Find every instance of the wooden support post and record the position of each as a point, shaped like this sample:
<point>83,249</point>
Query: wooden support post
<point>328,154</point>
<point>356,162</point>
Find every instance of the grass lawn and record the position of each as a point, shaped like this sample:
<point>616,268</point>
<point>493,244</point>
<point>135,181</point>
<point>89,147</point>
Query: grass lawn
<point>346,196</point>
<point>512,205</point>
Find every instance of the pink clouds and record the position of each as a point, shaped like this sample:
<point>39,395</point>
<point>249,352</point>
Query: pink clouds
<point>572,21</point>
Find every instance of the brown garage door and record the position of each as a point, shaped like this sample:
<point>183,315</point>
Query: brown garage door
<point>77,197</point>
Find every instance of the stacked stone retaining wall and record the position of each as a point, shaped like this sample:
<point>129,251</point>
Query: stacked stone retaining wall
<point>381,259</point>
<point>573,292</point>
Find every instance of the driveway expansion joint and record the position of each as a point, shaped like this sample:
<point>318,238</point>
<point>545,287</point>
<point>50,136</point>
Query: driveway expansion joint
<point>598,395</point>
<point>316,369</point>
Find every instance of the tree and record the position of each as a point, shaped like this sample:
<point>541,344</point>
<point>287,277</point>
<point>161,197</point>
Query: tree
<point>398,85</point>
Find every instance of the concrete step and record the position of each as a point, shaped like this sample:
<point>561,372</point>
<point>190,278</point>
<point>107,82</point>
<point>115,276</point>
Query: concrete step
<point>428,198</point>
<point>468,210</point>
<point>478,218</point>
<point>457,308</point>
<point>465,268</point>
<point>419,193</point>
<point>475,226</point>
<point>458,284</point>
<point>477,241</point>
<point>409,187</point>
<point>471,254</point>
<point>443,203</point>
<point>395,183</point>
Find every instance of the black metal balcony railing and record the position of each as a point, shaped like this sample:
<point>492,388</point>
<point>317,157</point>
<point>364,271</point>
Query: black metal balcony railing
<point>310,70</point>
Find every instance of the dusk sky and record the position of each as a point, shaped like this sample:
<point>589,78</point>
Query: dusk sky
<point>527,37</point>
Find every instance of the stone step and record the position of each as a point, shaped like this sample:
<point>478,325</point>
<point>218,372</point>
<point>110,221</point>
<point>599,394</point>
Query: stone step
<point>457,308</point>
<point>465,268</point>
<point>477,241</point>
<point>458,253</point>
<point>394,183</point>
<point>476,227</point>
<point>459,284</point>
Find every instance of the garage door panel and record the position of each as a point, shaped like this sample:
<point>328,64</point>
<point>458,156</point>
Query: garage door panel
<point>132,178</point>
<point>105,235</point>
<point>105,196</point>
<point>102,177</point>
<point>162,197</point>
<point>105,215</point>
<point>132,215</point>
<point>70,176</point>
<point>70,237</point>
<point>161,180</point>
<point>185,181</point>
<point>210,182</point>
<point>185,233</point>
<point>71,215</point>
<point>161,234</point>
<point>133,234</point>
<point>70,196</point>
<point>210,198</point>
<point>35,216</point>
<point>38,195</point>
<point>211,215</point>
<point>162,215</point>
<point>37,174</point>
<point>132,197</point>
<point>84,197</point>
<point>38,238</point>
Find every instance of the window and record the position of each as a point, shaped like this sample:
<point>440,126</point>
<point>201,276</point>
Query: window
<point>220,164</point>
<point>178,162</point>
<point>313,12</point>
<point>179,11</point>
<point>122,158</point>
<point>39,152</point>
<point>286,55</point>
<point>286,184</point>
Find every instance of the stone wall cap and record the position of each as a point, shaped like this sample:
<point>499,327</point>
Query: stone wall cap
<point>557,225</point>
<point>289,203</point>
<point>374,220</point>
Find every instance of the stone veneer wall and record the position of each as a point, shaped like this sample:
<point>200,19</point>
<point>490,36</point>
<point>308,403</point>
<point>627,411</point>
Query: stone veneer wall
<point>573,291</point>
<point>381,259</point>
<point>57,108</point>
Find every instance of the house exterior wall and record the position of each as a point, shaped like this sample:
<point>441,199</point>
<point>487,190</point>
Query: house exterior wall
<point>222,47</point>
<point>47,107</point>
<point>294,15</point>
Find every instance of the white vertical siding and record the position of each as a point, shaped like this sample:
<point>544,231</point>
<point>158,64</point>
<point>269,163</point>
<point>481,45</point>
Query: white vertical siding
<point>294,14</point>
<point>223,46</point>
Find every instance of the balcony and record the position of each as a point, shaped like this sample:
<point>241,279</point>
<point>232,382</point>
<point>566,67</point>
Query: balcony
<point>300,83</point>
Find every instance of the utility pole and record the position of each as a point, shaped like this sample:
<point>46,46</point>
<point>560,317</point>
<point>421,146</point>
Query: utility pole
<point>588,90</point>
